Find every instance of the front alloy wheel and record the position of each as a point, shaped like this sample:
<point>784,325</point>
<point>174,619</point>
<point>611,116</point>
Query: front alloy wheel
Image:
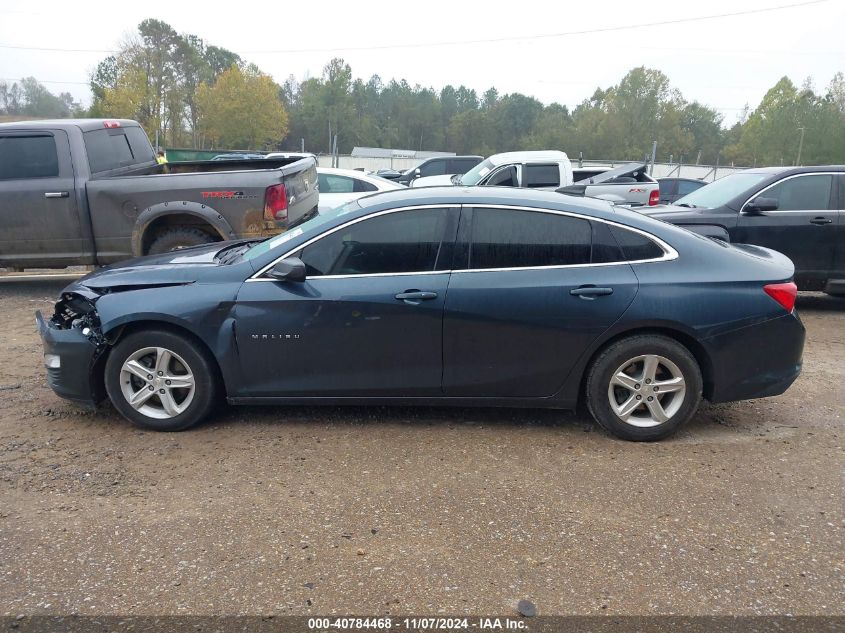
<point>157,383</point>
<point>162,380</point>
<point>643,387</point>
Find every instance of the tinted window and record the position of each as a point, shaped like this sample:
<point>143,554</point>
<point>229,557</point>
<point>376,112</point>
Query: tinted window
<point>541,176</point>
<point>503,238</point>
<point>113,148</point>
<point>462,165</point>
<point>28,157</point>
<point>406,241</point>
<point>803,192</point>
<point>688,186</point>
<point>362,186</point>
<point>605,247</point>
<point>433,168</point>
<point>504,177</point>
<point>635,246</point>
<point>330,183</point>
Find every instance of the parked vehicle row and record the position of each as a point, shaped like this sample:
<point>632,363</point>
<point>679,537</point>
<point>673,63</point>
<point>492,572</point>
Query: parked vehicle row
<point>551,303</point>
<point>91,192</point>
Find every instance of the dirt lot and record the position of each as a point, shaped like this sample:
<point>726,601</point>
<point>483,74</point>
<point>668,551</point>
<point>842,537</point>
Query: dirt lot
<point>387,510</point>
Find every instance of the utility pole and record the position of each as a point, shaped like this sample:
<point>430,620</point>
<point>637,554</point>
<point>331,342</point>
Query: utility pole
<point>653,156</point>
<point>800,147</point>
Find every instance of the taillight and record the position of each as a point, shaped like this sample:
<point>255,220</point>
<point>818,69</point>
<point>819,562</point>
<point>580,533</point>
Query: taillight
<point>654,198</point>
<point>784,294</point>
<point>111,124</point>
<point>276,203</point>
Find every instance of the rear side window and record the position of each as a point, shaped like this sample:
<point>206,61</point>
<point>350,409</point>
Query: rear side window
<point>688,186</point>
<point>118,147</point>
<point>401,242</point>
<point>28,157</point>
<point>635,246</point>
<point>504,238</point>
<point>803,193</point>
<point>541,175</point>
<point>332,183</point>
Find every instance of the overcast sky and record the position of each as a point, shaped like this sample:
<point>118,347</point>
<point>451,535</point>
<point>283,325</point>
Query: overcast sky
<point>724,62</point>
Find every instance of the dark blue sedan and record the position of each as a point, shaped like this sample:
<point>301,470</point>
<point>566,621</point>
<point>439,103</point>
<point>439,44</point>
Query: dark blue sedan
<point>479,296</point>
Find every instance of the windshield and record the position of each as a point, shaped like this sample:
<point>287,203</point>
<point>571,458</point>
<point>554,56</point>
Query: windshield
<point>310,226</point>
<point>721,191</point>
<point>477,173</point>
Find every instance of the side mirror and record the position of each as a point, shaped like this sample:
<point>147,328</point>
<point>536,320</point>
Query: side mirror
<point>417,172</point>
<point>758,206</point>
<point>288,269</point>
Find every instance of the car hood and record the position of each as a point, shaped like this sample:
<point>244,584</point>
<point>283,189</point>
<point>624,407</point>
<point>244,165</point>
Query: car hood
<point>433,181</point>
<point>167,269</point>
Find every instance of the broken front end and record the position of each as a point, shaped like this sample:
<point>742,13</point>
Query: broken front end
<point>73,347</point>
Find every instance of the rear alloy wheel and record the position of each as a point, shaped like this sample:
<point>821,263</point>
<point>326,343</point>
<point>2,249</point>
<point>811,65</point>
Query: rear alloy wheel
<point>644,387</point>
<point>158,380</point>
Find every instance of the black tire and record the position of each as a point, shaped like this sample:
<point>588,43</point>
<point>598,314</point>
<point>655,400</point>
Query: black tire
<point>614,358</point>
<point>185,354</point>
<point>179,237</point>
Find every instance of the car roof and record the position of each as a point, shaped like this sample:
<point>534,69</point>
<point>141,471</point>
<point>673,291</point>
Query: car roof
<point>510,157</point>
<point>792,170</point>
<point>86,125</point>
<point>418,196</point>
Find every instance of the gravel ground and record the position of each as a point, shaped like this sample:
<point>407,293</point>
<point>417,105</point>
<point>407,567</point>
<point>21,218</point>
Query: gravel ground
<point>420,511</point>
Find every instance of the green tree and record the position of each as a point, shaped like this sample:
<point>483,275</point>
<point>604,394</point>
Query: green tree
<point>242,110</point>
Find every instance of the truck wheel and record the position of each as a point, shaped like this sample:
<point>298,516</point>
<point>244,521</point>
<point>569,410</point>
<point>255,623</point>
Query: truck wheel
<point>643,388</point>
<point>178,237</point>
<point>160,380</point>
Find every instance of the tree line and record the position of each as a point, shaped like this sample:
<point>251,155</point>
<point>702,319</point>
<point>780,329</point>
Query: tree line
<point>188,93</point>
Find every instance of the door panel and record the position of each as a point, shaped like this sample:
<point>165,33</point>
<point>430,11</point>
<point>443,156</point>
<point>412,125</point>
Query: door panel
<point>38,208</point>
<point>803,227</point>
<point>518,333</point>
<point>341,336</point>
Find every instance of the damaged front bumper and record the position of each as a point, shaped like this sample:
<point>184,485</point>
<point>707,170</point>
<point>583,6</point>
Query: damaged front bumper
<point>71,354</point>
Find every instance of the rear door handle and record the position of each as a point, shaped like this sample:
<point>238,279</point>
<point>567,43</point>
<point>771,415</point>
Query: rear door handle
<point>56,194</point>
<point>413,297</point>
<point>590,292</point>
<point>821,221</point>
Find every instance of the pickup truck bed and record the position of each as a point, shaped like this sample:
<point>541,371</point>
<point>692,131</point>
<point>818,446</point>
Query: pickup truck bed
<point>91,192</point>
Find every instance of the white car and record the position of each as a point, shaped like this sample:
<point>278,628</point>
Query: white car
<point>339,186</point>
<point>533,169</point>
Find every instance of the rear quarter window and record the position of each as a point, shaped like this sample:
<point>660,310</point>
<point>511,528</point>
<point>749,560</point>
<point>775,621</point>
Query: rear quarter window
<point>635,246</point>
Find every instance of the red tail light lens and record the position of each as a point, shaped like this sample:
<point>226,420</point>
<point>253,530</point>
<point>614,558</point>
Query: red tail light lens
<point>654,198</point>
<point>784,294</point>
<point>111,124</point>
<point>276,203</point>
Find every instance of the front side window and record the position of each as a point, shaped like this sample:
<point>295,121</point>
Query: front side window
<point>504,177</point>
<point>541,175</point>
<point>505,238</point>
<point>400,242</point>
<point>433,168</point>
<point>804,193</point>
<point>28,157</point>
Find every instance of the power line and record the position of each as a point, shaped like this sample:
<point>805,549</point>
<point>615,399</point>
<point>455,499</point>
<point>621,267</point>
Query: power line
<point>516,38</point>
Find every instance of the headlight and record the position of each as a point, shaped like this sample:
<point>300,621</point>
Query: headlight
<point>52,361</point>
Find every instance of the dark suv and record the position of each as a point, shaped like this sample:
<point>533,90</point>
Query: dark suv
<point>795,210</point>
<point>440,165</point>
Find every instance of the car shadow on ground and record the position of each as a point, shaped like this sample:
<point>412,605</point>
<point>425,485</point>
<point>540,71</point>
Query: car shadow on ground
<point>818,301</point>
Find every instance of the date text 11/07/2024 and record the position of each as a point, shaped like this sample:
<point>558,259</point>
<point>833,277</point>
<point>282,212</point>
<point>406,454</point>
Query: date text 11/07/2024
<point>416,624</point>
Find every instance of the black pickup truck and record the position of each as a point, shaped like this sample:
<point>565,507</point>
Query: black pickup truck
<point>91,192</point>
<point>799,211</point>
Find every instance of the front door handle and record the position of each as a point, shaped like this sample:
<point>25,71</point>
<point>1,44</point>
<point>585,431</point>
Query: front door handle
<point>413,297</point>
<point>590,292</point>
<point>56,194</point>
<point>820,221</point>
